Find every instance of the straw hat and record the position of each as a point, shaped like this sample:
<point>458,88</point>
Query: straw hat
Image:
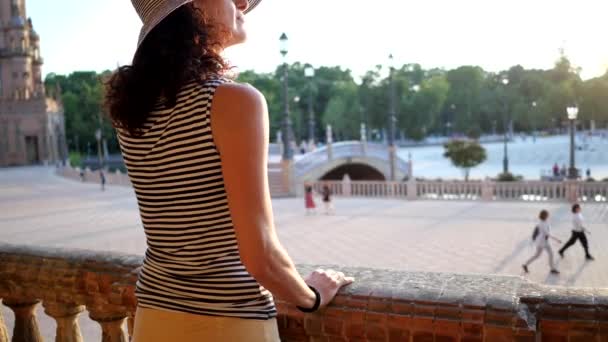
<point>152,12</point>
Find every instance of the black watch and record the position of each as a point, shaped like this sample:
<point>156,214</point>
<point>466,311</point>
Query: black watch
<point>317,302</point>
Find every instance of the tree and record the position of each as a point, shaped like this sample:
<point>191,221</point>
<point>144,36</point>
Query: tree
<point>466,83</point>
<point>343,112</point>
<point>468,99</point>
<point>420,110</point>
<point>465,154</point>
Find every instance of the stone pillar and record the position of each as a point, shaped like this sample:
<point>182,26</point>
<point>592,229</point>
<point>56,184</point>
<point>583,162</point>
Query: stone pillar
<point>410,166</point>
<point>487,190</point>
<point>130,325</point>
<point>26,325</point>
<point>289,181</point>
<point>3,330</point>
<point>330,140</point>
<point>280,142</point>
<point>66,317</point>
<point>346,186</point>
<point>412,189</point>
<point>111,326</point>
<point>572,191</point>
<point>363,139</point>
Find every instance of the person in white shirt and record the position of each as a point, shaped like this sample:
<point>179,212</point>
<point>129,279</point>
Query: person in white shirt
<point>578,232</point>
<point>542,242</point>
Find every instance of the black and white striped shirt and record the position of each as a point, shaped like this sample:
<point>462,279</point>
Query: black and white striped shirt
<point>192,263</point>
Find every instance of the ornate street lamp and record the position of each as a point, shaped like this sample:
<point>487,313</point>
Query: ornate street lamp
<point>572,115</point>
<point>505,161</point>
<point>392,114</point>
<point>287,133</point>
<point>309,73</point>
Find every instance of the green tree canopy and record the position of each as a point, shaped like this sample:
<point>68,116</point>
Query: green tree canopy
<point>465,154</point>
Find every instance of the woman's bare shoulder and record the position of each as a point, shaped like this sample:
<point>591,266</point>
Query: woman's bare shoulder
<point>235,95</point>
<point>238,110</point>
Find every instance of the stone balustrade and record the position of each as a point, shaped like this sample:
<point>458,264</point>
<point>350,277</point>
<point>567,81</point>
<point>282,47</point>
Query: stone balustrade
<point>88,176</point>
<point>572,191</point>
<point>382,305</point>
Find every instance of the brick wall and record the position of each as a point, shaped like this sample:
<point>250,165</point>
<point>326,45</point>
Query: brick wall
<point>382,305</point>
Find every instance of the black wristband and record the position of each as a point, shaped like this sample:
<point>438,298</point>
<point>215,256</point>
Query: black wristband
<point>317,302</point>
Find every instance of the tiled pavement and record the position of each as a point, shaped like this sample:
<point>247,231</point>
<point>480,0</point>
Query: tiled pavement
<point>37,207</point>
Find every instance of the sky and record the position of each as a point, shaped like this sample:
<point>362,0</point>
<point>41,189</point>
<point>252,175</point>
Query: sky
<point>355,34</point>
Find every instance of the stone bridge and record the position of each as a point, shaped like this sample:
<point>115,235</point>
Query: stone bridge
<point>361,161</point>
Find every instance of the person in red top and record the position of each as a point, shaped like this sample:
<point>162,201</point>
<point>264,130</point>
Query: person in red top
<point>309,200</point>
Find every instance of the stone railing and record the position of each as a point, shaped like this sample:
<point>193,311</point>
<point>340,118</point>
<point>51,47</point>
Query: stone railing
<point>88,176</point>
<point>381,305</point>
<point>472,190</point>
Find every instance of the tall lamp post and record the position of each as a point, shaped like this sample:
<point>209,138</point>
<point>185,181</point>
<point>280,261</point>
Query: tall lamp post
<point>392,114</point>
<point>287,149</point>
<point>309,73</point>
<point>99,136</point>
<point>572,115</point>
<point>505,161</point>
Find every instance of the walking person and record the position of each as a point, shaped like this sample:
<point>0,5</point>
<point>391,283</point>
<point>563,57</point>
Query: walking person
<point>542,234</point>
<point>555,170</point>
<point>213,260</point>
<point>309,200</point>
<point>102,178</point>
<point>578,232</point>
<point>329,208</point>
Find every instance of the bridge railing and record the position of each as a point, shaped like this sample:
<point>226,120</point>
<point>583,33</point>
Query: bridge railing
<point>346,149</point>
<point>537,191</point>
<point>532,190</point>
<point>449,190</point>
<point>381,305</point>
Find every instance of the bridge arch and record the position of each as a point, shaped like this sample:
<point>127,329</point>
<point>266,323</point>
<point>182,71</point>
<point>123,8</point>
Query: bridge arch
<point>356,172</point>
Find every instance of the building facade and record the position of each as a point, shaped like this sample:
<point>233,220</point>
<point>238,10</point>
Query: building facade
<point>32,127</point>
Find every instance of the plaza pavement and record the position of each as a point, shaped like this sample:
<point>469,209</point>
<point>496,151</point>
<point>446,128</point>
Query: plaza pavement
<point>37,207</point>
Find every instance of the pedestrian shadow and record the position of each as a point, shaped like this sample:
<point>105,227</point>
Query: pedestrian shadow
<point>577,274</point>
<point>521,246</point>
<point>552,279</point>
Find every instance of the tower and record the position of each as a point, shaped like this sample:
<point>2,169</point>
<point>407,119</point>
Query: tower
<point>31,126</point>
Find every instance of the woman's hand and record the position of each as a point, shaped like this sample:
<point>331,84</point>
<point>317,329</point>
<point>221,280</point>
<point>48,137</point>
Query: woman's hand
<point>327,282</point>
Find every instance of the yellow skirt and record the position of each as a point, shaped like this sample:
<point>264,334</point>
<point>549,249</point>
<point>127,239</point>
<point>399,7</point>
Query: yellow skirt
<point>167,326</point>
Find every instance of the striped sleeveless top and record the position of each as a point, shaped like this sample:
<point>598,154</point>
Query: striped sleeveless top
<point>192,262</point>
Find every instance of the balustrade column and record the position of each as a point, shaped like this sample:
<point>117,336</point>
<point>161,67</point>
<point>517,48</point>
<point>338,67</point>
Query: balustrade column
<point>111,326</point>
<point>412,189</point>
<point>131,324</point>
<point>66,316</point>
<point>3,330</point>
<point>26,325</point>
<point>346,186</point>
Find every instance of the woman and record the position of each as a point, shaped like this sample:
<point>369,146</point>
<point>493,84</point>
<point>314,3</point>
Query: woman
<point>542,242</point>
<point>195,147</point>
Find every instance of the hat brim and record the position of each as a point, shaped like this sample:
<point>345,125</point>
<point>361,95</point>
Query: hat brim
<point>252,5</point>
<point>148,27</point>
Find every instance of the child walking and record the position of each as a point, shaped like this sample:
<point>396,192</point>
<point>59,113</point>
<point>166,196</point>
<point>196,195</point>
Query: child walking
<point>309,200</point>
<point>327,200</point>
<point>541,240</point>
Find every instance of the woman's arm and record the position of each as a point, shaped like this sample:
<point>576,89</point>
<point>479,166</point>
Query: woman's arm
<point>241,133</point>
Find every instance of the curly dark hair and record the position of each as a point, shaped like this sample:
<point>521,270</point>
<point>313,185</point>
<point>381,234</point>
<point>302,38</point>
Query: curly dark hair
<point>178,50</point>
<point>543,215</point>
